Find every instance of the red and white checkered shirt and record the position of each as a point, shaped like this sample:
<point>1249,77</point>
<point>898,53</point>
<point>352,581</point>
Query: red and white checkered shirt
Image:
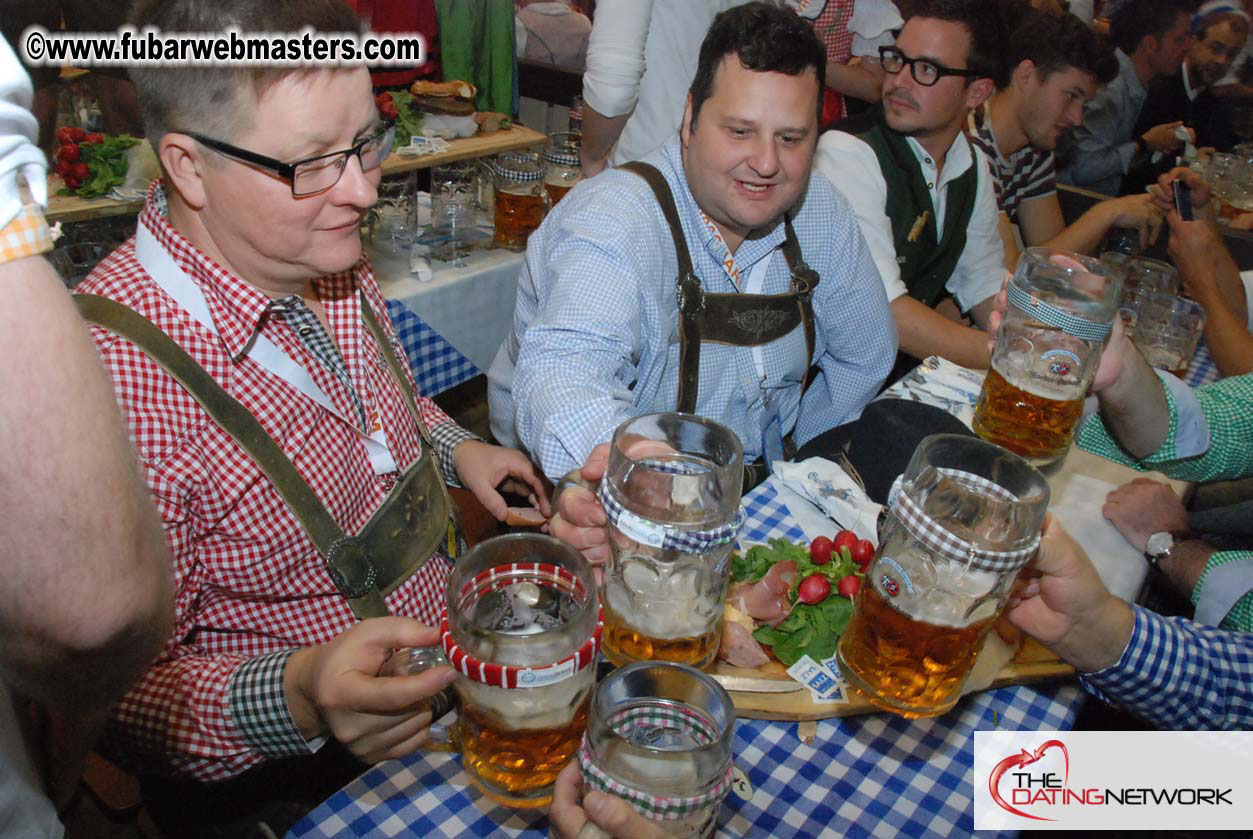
<point>250,586</point>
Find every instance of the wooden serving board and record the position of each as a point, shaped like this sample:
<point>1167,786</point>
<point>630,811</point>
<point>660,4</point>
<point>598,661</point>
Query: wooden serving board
<point>1031,663</point>
<point>70,208</point>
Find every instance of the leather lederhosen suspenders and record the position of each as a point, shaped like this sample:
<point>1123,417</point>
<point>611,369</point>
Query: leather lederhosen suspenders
<point>741,320</point>
<point>415,518</point>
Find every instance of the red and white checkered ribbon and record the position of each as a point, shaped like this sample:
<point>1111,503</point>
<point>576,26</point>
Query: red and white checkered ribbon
<point>515,676</point>
<point>942,541</point>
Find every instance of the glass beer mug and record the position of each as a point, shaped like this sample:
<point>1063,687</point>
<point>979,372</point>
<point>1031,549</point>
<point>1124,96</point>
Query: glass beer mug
<point>523,630</point>
<point>659,735</point>
<point>563,168</point>
<point>1061,309</point>
<point>520,198</point>
<point>671,494</point>
<point>962,521</point>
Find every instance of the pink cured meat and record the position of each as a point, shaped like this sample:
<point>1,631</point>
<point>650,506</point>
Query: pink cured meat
<point>767,599</point>
<point>740,648</point>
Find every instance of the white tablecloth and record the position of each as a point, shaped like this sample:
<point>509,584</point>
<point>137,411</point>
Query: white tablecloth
<point>470,307</point>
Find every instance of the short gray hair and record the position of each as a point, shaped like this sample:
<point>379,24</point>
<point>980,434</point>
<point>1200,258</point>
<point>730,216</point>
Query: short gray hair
<point>209,98</point>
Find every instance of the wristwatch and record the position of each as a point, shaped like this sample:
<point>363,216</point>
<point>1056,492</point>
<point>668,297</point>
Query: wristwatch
<point>1162,544</point>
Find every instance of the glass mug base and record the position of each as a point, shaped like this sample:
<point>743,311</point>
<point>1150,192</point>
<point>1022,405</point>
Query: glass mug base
<point>517,768</point>
<point>880,651</point>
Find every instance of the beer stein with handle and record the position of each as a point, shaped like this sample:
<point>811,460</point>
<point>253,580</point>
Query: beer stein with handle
<point>523,631</point>
<point>671,494</point>
<point>962,521</point>
<point>1061,309</point>
<point>659,735</point>
<point>521,202</point>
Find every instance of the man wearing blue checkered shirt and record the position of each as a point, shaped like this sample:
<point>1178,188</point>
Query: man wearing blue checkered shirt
<point>595,331</point>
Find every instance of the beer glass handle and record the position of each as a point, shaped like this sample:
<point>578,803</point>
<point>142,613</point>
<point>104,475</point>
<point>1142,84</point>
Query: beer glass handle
<point>407,661</point>
<point>573,478</point>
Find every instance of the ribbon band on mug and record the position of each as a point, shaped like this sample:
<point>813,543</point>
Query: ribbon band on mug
<point>657,807</point>
<point>667,536</point>
<point>1052,315</point>
<point>517,676</point>
<point>937,538</point>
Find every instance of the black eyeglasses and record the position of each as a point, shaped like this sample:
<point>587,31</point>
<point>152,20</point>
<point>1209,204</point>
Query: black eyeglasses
<point>924,71</point>
<point>313,174</point>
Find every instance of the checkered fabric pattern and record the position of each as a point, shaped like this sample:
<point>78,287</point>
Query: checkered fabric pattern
<point>1207,674</point>
<point>876,775</point>
<point>248,580</point>
<point>26,235</point>
<point>941,540</point>
<point>436,364</point>
<point>663,536</point>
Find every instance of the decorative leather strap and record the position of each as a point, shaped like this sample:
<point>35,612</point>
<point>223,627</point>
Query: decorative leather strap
<point>742,320</point>
<point>347,562</point>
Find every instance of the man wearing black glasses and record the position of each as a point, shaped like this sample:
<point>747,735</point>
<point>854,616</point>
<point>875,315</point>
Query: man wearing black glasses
<point>299,477</point>
<point>922,194</point>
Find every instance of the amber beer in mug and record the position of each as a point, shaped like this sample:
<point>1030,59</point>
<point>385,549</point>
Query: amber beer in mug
<point>671,494</point>
<point>1061,309</point>
<point>1027,423</point>
<point>962,522</point>
<point>884,646</point>
<point>520,199</point>
<point>522,630</point>
<point>556,192</point>
<point>508,755</point>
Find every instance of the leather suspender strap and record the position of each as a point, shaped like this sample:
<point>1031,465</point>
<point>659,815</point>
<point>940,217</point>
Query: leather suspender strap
<point>804,282</point>
<point>347,561</point>
<point>736,319</point>
<point>687,287</point>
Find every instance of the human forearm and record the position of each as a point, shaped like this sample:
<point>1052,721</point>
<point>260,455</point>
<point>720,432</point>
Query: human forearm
<point>1181,675</point>
<point>854,80</point>
<point>1226,333</point>
<point>923,331</point>
<point>1086,232</point>
<point>87,601</point>
<point>1134,406</point>
<point>599,135</point>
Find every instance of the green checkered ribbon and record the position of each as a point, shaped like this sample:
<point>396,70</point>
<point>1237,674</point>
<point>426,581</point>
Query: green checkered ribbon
<point>628,724</point>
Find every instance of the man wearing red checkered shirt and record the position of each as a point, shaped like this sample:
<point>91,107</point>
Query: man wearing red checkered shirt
<point>247,255</point>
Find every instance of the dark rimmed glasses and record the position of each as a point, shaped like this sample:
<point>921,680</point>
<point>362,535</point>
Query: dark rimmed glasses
<point>925,71</point>
<point>313,174</point>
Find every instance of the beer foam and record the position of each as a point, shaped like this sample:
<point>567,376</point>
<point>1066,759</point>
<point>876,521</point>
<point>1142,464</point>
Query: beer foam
<point>1024,376</point>
<point>550,706</point>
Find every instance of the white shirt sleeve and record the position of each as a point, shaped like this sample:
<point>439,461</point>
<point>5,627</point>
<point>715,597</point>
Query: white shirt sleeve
<point>615,55</point>
<point>981,267</point>
<point>19,133</point>
<point>851,165</point>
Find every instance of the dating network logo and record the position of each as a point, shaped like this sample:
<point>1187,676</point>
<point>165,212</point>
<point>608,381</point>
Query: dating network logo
<point>1023,794</point>
<point>1030,785</point>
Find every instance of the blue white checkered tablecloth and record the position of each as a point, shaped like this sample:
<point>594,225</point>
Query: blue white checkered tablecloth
<point>873,775</point>
<point>436,364</point>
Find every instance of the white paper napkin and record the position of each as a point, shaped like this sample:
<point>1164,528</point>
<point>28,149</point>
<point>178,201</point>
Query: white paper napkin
<point>829,488</point>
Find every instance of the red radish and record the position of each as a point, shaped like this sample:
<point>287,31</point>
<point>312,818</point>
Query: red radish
<point>862,552</point>
<point>849,586</point>
<point>820,550</point>
<point>813,589</point>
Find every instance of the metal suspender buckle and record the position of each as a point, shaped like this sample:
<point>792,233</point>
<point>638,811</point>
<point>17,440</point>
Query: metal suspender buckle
<point>690,293</point>
<point>350,567</point>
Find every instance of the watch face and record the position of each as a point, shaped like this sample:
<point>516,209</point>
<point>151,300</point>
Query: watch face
<point>1159,544</point>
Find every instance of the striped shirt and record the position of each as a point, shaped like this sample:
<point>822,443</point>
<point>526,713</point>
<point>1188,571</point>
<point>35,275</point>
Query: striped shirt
<point>1025,175</point>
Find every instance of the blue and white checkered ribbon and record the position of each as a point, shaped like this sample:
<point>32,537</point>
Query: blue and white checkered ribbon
<point>1046,312</point>
<point>662,535</point>
<point>944,542</point>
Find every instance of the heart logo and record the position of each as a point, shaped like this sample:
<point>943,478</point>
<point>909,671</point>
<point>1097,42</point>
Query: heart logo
<point>1024,758</point>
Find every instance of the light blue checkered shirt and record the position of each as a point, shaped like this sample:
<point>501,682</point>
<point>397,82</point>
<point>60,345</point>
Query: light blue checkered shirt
<point>595,337</point>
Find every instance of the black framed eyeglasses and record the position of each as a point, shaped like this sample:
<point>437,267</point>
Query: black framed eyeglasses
<point>313,174</point>
<point>924,71</point>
